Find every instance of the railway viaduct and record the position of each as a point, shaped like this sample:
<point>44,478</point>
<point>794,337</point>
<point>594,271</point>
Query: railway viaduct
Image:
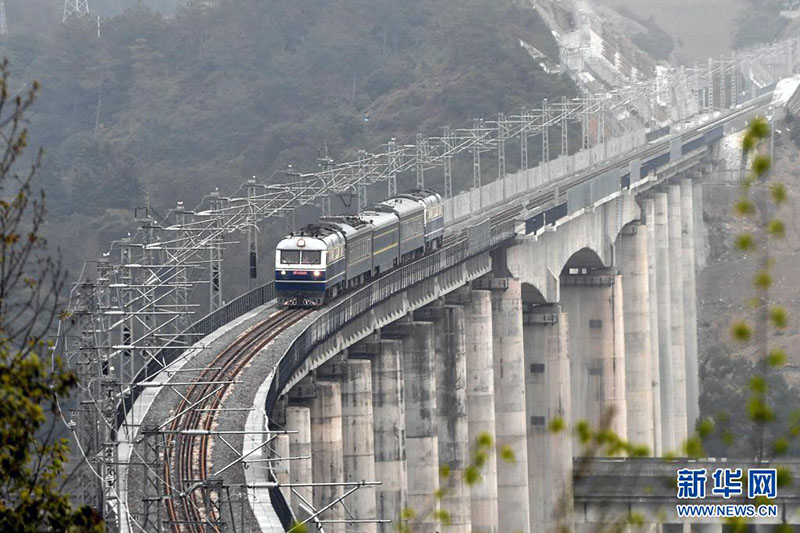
<point>591,315</point>
<point>564,293</point>
<point>563,300</point>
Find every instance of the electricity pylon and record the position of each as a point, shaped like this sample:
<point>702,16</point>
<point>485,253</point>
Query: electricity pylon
<point>75,8</point>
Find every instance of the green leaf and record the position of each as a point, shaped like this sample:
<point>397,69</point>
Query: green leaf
<point>776,357</point>
<point>484,440</point>
<point>779,317</point>
<point>705,427</point>
<point>748,142</point>
<point>583,431</point>
<point>443,516</point>
<point>759,411</point>
<point>761,164</point>
<point>762,280</point>
<point>557,425</point>
<point>727,438</point>
<point>780,446</point>
<point>480,458</point>
<point>741,331</point>
<point>778,191</point>
<point>776,228</point>
<point>639,450</point>
<point>744,207</point>
<point>693,447</point>
<point>507,454</point>
<point>745,242</point>
<point>472,475</point>
<point>758,384</point>
<point>759,128</point>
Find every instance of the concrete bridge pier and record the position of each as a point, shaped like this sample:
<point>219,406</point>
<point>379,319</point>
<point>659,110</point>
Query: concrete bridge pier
<point>422,442</point>
<point>299,419</point>
<point>648,209</point>
<point>665,356</point>
<point>688,233</point>
<point>451,406</point>
<point>481,406</point>
<point>700,236</point>
<point>632,258</point>
<point>509,392</point>
<point>592,299</point>
<point>280,450</point>
<point>388,411</point>
<point>357,440</point>
<point>548,396</point>
<point>326,450</point>
<point>677,338</point>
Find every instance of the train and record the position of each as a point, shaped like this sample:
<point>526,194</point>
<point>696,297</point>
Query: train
<point>339,253</point>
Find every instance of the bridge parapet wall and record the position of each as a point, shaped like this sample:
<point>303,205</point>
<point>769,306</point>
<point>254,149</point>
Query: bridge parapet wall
<point>468,203</point>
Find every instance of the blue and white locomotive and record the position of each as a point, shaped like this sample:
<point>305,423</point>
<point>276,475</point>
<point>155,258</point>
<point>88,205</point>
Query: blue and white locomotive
<point>317,262</point>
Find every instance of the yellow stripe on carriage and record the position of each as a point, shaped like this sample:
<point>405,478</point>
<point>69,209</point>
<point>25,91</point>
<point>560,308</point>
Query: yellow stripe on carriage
<point>384,249</point>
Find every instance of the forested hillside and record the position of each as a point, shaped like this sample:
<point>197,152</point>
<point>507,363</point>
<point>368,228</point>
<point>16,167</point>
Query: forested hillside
<point>173,107</point>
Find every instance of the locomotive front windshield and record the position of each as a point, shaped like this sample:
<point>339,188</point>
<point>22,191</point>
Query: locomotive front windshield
<point>310,258</point>
<point>296,257</point>
<point>290,257</point>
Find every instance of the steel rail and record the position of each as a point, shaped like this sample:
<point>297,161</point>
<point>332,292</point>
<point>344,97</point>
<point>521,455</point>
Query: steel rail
<point>190,456</point>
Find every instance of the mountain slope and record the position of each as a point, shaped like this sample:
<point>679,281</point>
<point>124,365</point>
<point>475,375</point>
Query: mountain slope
<point>171,108</point>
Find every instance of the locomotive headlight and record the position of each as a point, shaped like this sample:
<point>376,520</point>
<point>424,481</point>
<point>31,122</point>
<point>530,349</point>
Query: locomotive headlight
<point>283,272</point>
<point>301,243</point>
<point>317,273</point>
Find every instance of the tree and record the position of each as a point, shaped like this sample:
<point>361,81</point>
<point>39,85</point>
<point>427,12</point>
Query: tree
<point>31,458</point>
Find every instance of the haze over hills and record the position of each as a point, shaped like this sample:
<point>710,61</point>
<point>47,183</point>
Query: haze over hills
<point>709,28</point>
<point>169,108</point>
<point>44,16</point>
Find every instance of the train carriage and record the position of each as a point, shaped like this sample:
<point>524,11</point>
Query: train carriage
<point>412,225</point>
<point>385,240</point>
<point>358,246</point>
<point>433,218</point>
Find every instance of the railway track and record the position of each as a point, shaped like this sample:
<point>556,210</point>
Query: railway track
<point>186,461</point>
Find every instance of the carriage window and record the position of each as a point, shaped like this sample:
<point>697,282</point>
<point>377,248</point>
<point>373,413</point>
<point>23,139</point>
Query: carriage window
<point>311,258</point>
<point>290,257</point>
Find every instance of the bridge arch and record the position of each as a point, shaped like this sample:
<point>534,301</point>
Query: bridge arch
<point>583,240</point>
<point>532,295</point>
<point>585,258</point>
